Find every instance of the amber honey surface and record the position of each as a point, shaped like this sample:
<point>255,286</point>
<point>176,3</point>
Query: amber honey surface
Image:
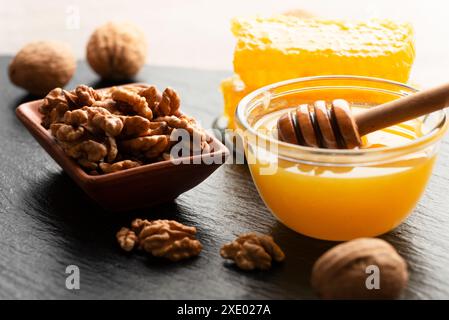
<point>342,202</point>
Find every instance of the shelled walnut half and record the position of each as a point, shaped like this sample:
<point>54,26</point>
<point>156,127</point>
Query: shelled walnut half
<point>253,251</point>
<point>161,238</point>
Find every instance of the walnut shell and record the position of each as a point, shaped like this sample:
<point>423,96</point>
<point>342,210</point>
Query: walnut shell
<point>42,66</point>
<point>341,272</point>
<point>117,50</point>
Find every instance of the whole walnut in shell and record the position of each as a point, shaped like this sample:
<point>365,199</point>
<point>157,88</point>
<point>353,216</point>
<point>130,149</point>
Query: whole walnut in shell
<point>117,50</point>
<point>350,271</point>
<point>42,66</point>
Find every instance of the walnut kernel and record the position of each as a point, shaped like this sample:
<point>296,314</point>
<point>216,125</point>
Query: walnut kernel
<point>152,95</point>
<point>127,239</point>
<point>118,166</point>
<point>150,146</point>
<point>253,251</point>
<point>100,118</point>
<point>169,104</point>
<point>112,130</point>
<point>86,96</point>
<point>138,104</point>
<point>163,238</point>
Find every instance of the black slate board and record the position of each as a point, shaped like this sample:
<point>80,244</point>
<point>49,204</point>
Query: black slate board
<point>47,223</point>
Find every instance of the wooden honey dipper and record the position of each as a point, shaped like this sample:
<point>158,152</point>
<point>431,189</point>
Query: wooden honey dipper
<point>335,127</point>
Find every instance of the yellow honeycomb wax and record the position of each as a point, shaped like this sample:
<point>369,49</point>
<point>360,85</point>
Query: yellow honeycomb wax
<point>233,90</point>
<point>273,49</point>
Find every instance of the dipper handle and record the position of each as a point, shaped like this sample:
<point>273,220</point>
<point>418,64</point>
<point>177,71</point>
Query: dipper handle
<point>403,109</point>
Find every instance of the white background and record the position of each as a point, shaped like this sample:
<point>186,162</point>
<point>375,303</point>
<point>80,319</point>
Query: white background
<point>195,33</point>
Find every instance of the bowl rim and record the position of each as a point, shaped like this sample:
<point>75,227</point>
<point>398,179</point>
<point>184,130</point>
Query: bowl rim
<point>416,144</point>
<point>41,134</point>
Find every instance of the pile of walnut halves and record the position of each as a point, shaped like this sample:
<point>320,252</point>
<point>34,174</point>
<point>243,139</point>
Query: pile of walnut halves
<point>119,128</point>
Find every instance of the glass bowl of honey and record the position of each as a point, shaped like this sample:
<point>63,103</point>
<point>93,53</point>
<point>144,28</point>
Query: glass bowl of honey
<point>338,194</point>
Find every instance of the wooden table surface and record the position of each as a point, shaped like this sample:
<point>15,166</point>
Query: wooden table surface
<point>47,223</point>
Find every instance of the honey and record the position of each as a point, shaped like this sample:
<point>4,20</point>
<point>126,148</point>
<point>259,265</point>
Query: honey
<point>364,201</point>
<point>338,194</point>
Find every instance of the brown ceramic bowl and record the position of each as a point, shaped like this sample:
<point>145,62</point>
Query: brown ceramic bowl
<point>129,189</point>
